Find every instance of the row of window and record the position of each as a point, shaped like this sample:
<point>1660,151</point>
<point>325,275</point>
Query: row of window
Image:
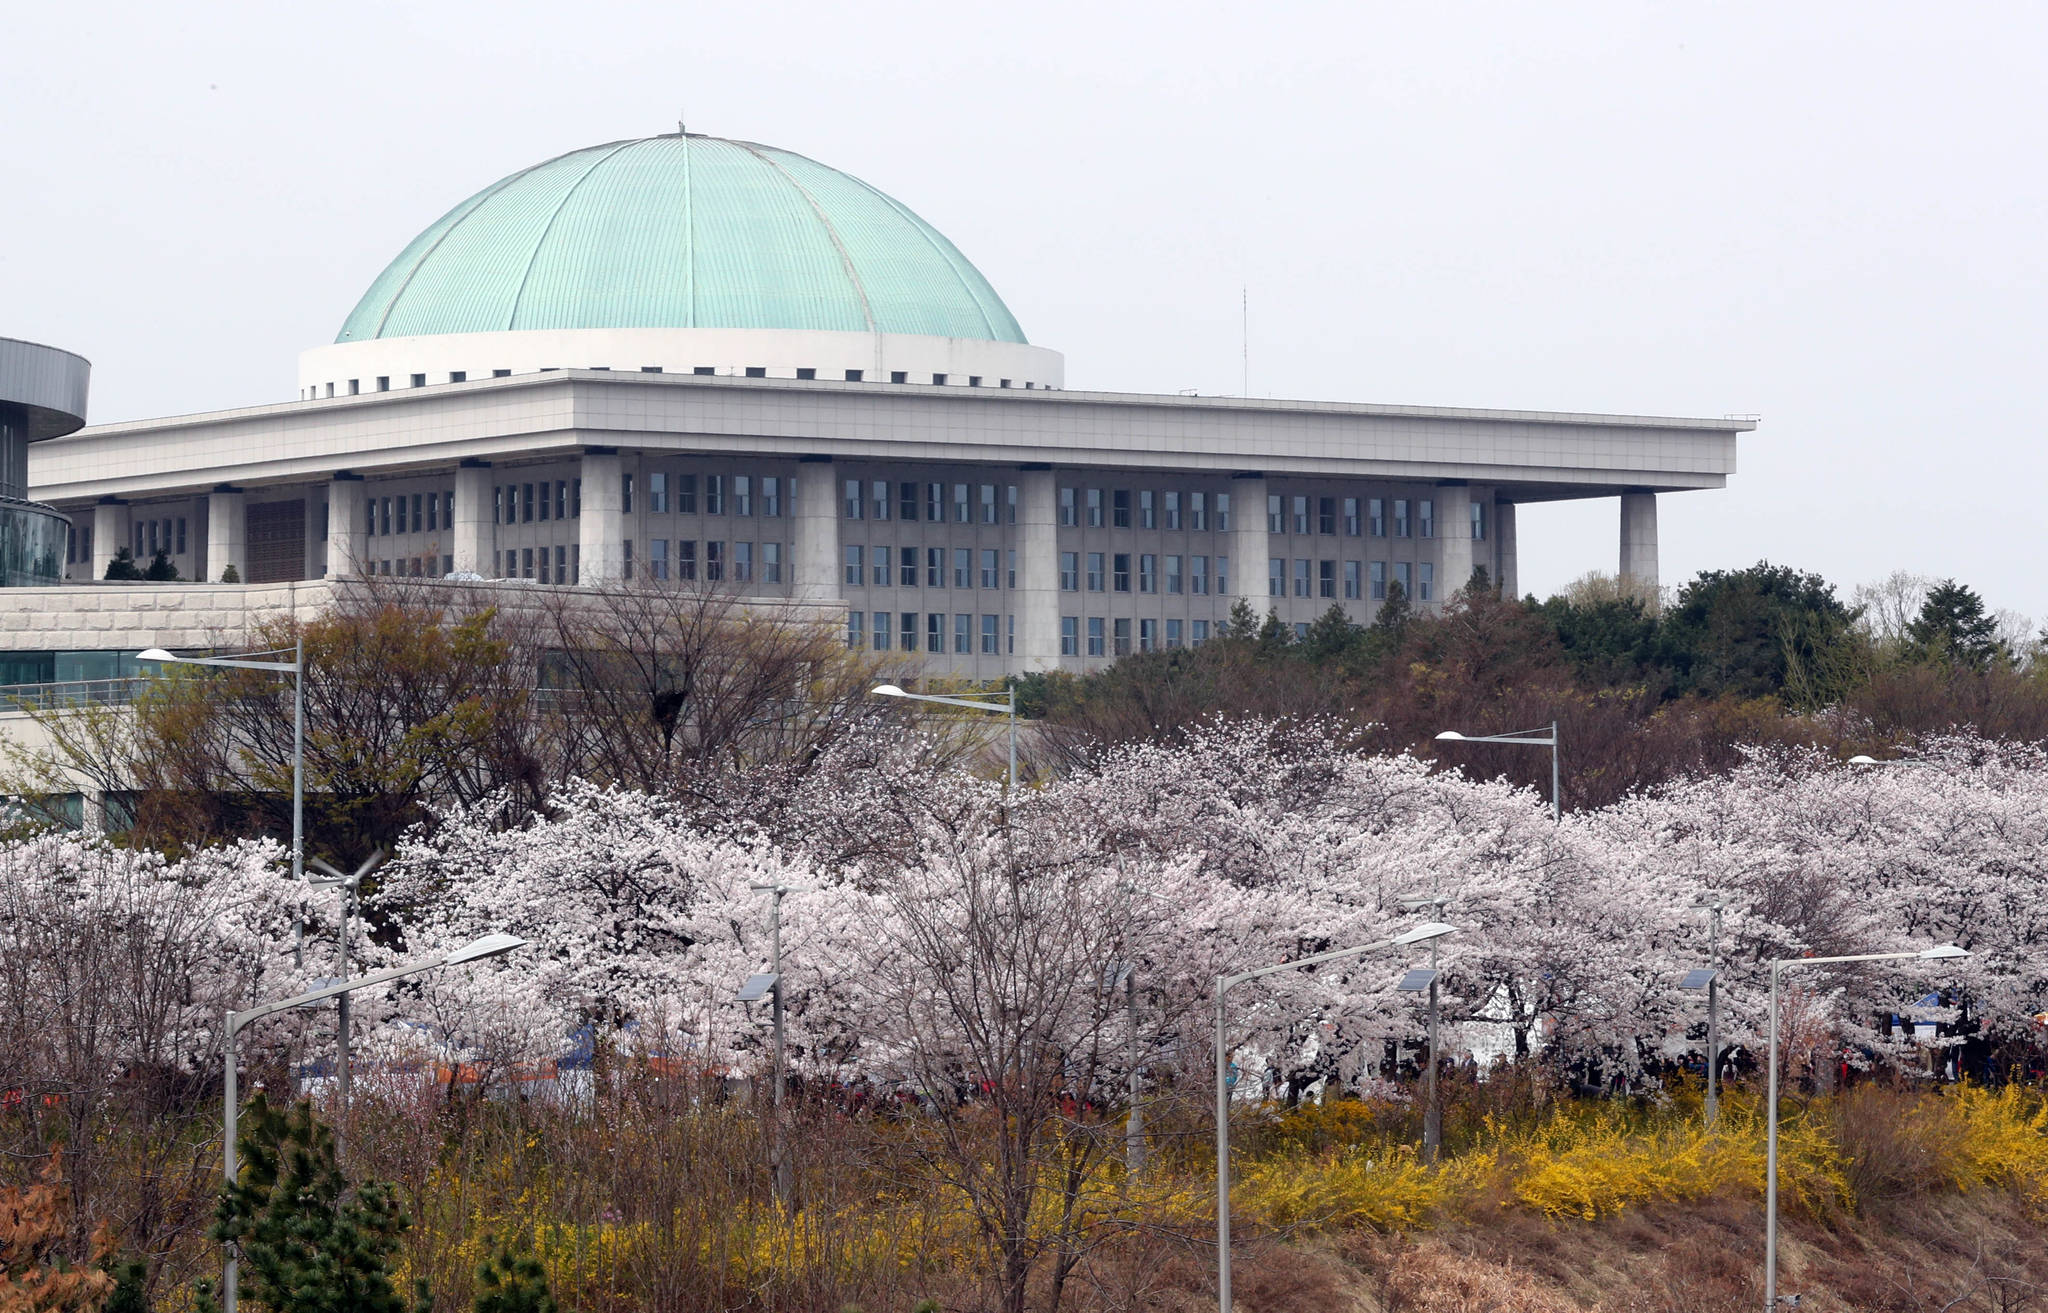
<point>1111,572</point>
<point>1319,578</point>
<point>998,634</point>
<point>879,567</point>
<point>534,563</point>
<point>1171,509</point>
<point>739,494</point>
<point>383,381</point>
<point>1113,637</point>
<point>721,562</point>
<point>559,499</point>
<point>416,568</point>
<point>421,512</point>
<point>151,537</point>
<point>968,503</point>
<point>1365,516</point>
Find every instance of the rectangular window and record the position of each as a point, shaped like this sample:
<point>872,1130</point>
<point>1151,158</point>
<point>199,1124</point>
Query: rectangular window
<point>1376,517</point>
<point>856,566</point>
<point>1275,513</point>
<point>657,492</point>
<point>714,494</point>
<point>1478,522</point>
<point>525,504</point>
<point>1222,518</point>
<point>988,503</point>
<point>1400,517</point>
<point>498,504</point>
<point>906,506</point>
<point>686,559</point>
<point>906,572</point>
<point>1148,635</point>
<point>181,535</point>
<point>878,493</point>
<point>934,632</point>
<point>771,498</point>
<point>1095,508</point>
<point>1402,579</point>
<point>1351,520</point>
<point>1222,575</point>
<point>575,512</point>
<point>1326,515</point>
<point>908,631</point>
<point>1173,635</point>
<point>686,494</point>
<point>742,563</point>
<point>1067,518</point>
<point>1120,508</point>
<point>405,524</point>
<point>991,636</point>
<point>960,515</point>
<point>1148,509</point>
<point>626,494</point>
<point>714,561</point>
<point>657,558</point>
<point>963,634</point>
<point>963,568</point>
<point>1198,511</point>
<point>1200,631</point>
<point>882,574</point>
<point>1425,518</point>
<point>991,568</point>
<point>1070,635</point>
<point>935,507</point>
<point>1425,581</point>
<point>1095,572</point>
<point>1121,635</point>
<point>526,562</point>
<point>387,512</point>
<point>935,568</point>
<point>1009,503</point>
<point>1070,572</point>
<point>1095,635</point>
<point>853,499</point>
<point>856,624</point>
<point>625,557</point>
<point>1300,517</point>
<point>1326,578</point>
<point>1120,567</point>
<point>1173,581</point>
<point>1012,568</point>
<point>1351,580</point>
<point>433,511</point>
<point>1378,580</point>
<point>1148,573</point>
<point>1301,577</point>
<point>742,494</point>
<point>881,631</point>
<point>1173,510</point>
<point>1276,576</point>
<point>1198,575</point>
<point>771,563</point>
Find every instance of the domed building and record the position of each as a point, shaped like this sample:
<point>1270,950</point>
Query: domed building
<point>693,362</point>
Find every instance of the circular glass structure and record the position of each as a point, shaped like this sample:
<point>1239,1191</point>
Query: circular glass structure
<point>42,395</point>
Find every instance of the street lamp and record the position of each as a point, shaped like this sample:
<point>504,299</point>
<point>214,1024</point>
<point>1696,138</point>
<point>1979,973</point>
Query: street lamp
<point>1412,983</point>
<point>1708,978</point>
<point>769,982</point>
<point>296,668</point>
<point>1426,931</point>
<point>1008,705</point>
<point>1861,759</point>
<point>1939,953</point>
<point>1523,736</point>
<point>473,951</point>
<point>351,886</point>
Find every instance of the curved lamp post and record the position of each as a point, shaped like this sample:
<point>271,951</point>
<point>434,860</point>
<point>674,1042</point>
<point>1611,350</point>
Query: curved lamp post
<point>1936,954</point>
<point>1426,931</point>
<point>473,951</point>
<point>1532,738</point>
<point>1007,705</point>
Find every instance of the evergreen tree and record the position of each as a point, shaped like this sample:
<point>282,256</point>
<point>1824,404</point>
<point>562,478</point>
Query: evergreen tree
<point>512,1283</point>
<point>1395,613</point>
<point>308,1244</point>
<point>1243,621</point>
<point>1953,629</point>
<point>229,574</point>
<point>1331,636</point>
<point>123,566</point>
<point>160,569</point>
<point>1274,637</point>
<point>1753,632</point>
<point>1480,584</point>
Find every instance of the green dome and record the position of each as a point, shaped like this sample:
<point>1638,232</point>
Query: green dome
<point>681,232</point>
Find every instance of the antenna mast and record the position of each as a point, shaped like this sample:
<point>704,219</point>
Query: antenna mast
<point>1244,325</point>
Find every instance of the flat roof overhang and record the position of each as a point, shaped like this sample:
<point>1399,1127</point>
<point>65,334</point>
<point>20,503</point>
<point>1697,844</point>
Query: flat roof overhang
<point>1534,455</point>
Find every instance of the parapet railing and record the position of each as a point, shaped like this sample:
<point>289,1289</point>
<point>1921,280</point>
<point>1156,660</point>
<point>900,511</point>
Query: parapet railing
<point>61,694</point>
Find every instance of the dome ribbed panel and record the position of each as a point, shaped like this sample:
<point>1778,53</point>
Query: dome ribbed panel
<point>680,232</point>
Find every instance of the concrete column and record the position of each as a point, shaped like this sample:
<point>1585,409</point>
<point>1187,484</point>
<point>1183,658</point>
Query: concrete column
<point>110,533</point>
<point>227,532</point>
<point>345,515</point>
<point>1038,572</point>
<point>602,540</point>
<point>473,535</point>
<point>1250,545</point>
<point>1639,540</point>
<point>1454,540</point>
<point>1504,548</point>
<point>814,554</point>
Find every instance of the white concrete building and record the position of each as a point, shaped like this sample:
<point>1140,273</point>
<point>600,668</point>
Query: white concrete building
<point>706,362</point>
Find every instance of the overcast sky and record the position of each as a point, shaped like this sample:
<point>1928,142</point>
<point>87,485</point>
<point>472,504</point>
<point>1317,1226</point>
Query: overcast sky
<point>1830,215</point>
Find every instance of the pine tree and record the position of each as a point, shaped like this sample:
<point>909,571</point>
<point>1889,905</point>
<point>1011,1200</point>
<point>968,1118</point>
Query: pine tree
<point>308,1244</point>
<point>161,570</point>
<point>123,566</point>
<point>512,1283</point>
<point>1394,613</point>
<point>1331,635</point>
<point>1274,637</point>
<point>229,574</point>
<point>1952,628</point>
<point>1243,621</point>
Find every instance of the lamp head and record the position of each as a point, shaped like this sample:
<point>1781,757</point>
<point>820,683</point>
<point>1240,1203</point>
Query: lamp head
<point>1450,736</point>
<point>155,654</point>
<point>1941,951</point>
<point>888,691</point>
<point>1416,901</point>
<point>488,946</point>
<point>1426,931</point>
<point>1863,759</point>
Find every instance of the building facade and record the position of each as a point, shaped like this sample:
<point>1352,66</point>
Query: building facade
<point>694,362</point>
<point>42,396</point>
